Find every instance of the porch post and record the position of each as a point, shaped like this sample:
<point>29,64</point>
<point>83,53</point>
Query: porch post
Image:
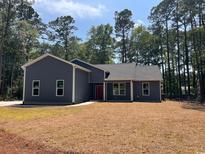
<point>131,91</point>
<point>104,95</point>
<point>160,90</point>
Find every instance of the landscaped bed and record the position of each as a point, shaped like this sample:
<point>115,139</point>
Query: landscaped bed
<point>167,127</point>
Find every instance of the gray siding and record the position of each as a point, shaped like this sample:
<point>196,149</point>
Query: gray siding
<point>48,71</point>
<point>111,97</point>
<point>154,91</point>
<point>96,75</point>
<point>82,87</point>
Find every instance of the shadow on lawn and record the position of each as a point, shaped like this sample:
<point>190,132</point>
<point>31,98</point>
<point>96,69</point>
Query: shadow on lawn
<point>55,105</point>
<point>194,106</point>
<point>33,106</point>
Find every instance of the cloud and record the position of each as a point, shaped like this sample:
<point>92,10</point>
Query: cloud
<point>139,23</point>
<point>70,7</point>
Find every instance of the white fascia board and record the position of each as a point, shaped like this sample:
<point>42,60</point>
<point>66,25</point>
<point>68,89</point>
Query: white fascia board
<point>62,60</point>
<point>88,64</point>
<point>118,79</point>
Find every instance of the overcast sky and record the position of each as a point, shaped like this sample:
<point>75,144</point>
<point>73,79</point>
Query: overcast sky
<point>93,12</point>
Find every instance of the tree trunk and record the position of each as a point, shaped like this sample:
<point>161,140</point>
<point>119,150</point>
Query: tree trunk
<point>173,82</point>
<point>12,77</point>
<point>66,47</point>
<point>168,59</point>
<point>187,58</point>
<point>123,47</point>
<point>166,81</point>
<point>162,65</point>
<point>178,54</point>
<point>195,51</point>
<point>2,48</point>
<point>202,82</point>
<point>194,79</point>
<point>185,85</point>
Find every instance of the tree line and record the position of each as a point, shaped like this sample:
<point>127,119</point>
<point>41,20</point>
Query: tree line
<point>179,26</point>
<point>175,41</point>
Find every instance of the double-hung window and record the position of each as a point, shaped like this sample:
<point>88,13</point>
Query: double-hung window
<point>60,88</point>
<point>36,88</point>
<point>119,89</point>
<point>145,89</point>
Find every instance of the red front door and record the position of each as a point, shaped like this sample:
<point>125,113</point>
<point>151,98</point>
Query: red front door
<point>99,92</point>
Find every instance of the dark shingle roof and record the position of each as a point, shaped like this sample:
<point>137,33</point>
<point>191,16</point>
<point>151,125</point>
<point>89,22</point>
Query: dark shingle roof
<point>148,73</point>
<point>119,71</point>
<point>131,71</point>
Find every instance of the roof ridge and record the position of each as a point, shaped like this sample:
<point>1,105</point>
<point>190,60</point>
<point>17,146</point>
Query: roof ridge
<point>146,65</point>
<point>55,57</point>
<point>87,64</point>
<point>116,64</point>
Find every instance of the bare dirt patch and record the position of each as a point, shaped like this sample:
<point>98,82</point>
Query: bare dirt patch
<point>12,144</point>
<point>159,128</point>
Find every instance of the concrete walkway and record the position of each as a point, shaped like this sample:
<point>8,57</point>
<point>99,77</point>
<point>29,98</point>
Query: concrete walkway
<point>81,104</point>
<point>17,103</point>
<point>10,103</point>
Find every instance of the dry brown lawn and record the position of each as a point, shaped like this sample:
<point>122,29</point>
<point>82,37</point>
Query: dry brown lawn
<point>160,128</point>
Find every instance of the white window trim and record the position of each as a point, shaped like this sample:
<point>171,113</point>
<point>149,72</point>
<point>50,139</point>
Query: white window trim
<point>144,89</point>
<point>59,88</point>
<point>118,89</point>
<point>36,88</point>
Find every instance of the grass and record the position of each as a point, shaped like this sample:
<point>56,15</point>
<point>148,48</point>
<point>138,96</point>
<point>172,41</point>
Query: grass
<point>167,127</point>
<point>24,114</point>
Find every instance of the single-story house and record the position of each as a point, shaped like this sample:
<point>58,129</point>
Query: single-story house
<point>52,80</point>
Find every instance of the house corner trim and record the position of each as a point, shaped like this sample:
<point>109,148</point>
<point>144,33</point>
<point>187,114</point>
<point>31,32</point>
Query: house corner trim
<point>73,86</point>
<point>104,92</point>
<point>160,90</point>
<point>24,84</point>
<point>131,91</point>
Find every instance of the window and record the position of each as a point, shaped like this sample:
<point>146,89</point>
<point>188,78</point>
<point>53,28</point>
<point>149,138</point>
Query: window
<point>145,89</point>
<point>119,89</point>
<point>35,88</point>
<point>60,88</point>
